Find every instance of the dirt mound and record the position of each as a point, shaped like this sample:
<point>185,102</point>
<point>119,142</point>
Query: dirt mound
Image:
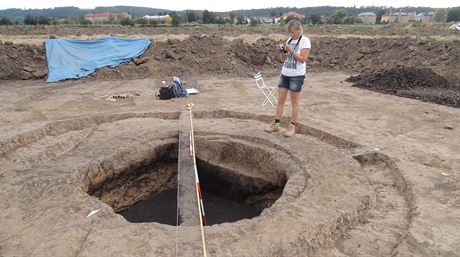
<point>373,55</point>
<point>209,55</point>
<point>204,54</point>
<point>21,61</point>
<point>250,54</point>
<point>213,55</point>
<point>422,84</point>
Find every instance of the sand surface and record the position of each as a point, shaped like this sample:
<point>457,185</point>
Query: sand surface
<point>368,174</point>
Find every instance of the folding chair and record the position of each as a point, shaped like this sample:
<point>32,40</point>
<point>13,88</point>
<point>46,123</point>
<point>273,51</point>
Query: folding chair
<point>269,92</point>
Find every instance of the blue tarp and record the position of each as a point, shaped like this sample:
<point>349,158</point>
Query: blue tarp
<point>79,58</point>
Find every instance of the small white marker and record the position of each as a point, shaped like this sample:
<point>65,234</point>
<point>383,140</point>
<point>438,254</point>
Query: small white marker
<point>92,213</point>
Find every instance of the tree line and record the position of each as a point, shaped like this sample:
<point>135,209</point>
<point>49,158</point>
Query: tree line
<point>174,19</point>
<point>339,16</point>
<point>43,20</point>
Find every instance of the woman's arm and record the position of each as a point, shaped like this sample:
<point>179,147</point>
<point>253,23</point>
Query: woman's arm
<point>282,56</point>
<point>302,57</point>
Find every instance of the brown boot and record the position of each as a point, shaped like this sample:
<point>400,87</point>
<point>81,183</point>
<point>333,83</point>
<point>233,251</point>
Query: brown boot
<point>273,127</point>
<point>290,130</point>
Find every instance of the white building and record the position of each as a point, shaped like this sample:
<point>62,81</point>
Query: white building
<point>367,17</point>
<point>156,17</point>
<point>105,16</point>
<point>401,17</point>
<point>267,20</point>
<point>424,17</point>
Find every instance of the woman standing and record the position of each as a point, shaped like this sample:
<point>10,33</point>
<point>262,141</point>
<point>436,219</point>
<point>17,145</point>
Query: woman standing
<point>294,53</point>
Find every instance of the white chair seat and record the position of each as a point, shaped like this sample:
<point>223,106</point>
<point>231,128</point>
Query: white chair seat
<point>268,91</point>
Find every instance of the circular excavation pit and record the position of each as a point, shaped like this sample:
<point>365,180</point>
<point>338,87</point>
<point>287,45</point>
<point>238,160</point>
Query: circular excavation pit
<point>290,196</point>
<point>238,181</point>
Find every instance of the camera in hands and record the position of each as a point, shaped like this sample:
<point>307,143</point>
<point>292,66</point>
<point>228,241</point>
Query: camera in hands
<point>281,48</point>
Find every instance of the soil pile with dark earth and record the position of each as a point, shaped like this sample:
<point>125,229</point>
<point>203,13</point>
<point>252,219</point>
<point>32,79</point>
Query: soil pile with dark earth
<point>206,55</point>
<point>21,61</point>
<point>212,55</point>
<point>373,55</point>
<point>422,84</point>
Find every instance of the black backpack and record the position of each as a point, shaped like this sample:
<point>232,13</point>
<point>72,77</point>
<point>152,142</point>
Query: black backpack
<point>165,93</point>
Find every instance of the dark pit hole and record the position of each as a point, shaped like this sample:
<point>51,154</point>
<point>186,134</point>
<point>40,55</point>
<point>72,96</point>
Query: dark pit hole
<point>148,193</point>
<point>230,196</point>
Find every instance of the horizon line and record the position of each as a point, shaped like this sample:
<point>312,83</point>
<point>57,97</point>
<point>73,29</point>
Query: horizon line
<point>368,6</point>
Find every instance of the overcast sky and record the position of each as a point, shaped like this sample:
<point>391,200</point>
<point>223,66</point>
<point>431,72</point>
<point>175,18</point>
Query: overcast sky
<point>216,5</point>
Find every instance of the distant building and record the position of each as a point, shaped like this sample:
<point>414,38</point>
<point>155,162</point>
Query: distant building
<point>425,17</point>
<point>401,17</point>
<point>292,15</point>
<point>267,20</point>
<point>105,16</point>
<point>323,19</point>
<point>385,19</point>
<point>367,17</point>
<point>156,17</point>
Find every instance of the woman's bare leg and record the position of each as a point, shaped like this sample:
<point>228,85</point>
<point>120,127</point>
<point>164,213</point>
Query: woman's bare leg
<point>295,106</point>
<point>282,95</point>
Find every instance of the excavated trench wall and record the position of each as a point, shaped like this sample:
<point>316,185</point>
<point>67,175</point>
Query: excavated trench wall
<point>215,55</point>
<point>338,193</point>
<point>232,174</point>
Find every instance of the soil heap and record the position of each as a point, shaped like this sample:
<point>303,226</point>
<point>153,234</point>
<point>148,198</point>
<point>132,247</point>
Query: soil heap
<point>213,55</point>
<point>21,61</point>
<point>422,84</point>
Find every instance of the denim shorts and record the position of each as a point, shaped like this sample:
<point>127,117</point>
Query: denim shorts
<point>293,84</point>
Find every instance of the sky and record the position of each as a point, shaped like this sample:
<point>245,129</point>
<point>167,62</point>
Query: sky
<point>216,5</point>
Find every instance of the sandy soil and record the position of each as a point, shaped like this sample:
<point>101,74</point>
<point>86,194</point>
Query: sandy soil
<point>368,174</point>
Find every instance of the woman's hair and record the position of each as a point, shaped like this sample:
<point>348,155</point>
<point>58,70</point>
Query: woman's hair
<point>295,24</point>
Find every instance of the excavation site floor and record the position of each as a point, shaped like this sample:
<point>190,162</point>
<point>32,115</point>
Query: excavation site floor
<point>367,174</point>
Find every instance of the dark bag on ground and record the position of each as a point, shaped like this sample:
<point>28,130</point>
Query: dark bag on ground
<point>165,93</point>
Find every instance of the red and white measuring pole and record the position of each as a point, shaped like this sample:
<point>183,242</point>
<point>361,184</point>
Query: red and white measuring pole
<point>197,182</point>
<point>191,145</point>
